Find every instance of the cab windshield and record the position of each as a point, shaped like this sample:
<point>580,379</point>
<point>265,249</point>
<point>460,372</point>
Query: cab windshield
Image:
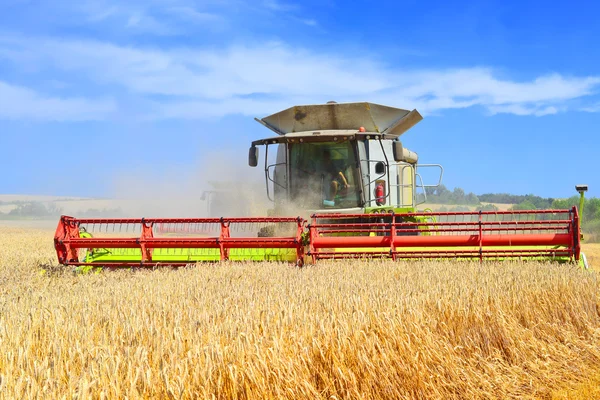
<point>324,175</point>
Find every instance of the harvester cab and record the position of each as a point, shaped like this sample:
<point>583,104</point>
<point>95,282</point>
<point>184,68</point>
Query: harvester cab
<point>343,186</point>
<point>343,158</point>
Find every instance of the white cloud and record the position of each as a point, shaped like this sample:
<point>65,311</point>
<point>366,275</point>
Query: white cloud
<point>143,23</point>
<point>198,82</point>
<point>183,18</point>
<point>21,103</point>
<point>97,15</point>
<point>237,71</point>
<point>276,5</point>
<point>134,20</point>
<point>197,109</point>
<point>519,109</point>
<point>309,22</point>
<point>191,14</point>
<point>135,17</point>
<point>481,83</point>
<point>593,108</point>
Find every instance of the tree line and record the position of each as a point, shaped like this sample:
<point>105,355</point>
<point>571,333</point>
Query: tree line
<point>443,195</point>
<point>460,199</point>
<point>40,210</point>
<point>457,198</point>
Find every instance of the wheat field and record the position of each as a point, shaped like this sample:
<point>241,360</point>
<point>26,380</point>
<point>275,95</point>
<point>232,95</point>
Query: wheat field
<point>364,330</point>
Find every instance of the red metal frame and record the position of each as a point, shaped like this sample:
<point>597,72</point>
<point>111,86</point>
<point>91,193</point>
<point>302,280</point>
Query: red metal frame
<point>67,238</point>
<point>554,237</point>
<point>531,233</point>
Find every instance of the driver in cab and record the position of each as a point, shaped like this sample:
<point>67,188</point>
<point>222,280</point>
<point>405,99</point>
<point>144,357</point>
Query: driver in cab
<point>335,176</point>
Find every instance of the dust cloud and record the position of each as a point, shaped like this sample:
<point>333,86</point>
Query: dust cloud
<point>218,184</point>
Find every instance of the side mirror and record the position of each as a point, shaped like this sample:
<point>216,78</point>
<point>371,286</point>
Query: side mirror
<point>380,168</point>
<point>402,154</point>
<point>253,156</point>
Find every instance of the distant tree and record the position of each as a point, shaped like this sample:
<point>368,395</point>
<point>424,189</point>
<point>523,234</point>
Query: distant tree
<point>505,198</point>
<point>34,209</point>
<point>442,195</point>
<point>53,209</point>
<point>565,203</point>
<point>442,191</point>
<point>560,203</point>
<point>29,209</point>
<point>540,203</point>
<point>458,196</point>
<point>591,209</point>
<point>487,207</point>
<point>494,198</point>
<point>472,199</point>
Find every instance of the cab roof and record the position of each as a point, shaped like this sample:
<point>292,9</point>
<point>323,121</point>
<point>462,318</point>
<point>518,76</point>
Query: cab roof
<point>390,121</point>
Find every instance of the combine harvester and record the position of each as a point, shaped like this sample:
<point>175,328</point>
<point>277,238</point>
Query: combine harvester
<point>357,188</point>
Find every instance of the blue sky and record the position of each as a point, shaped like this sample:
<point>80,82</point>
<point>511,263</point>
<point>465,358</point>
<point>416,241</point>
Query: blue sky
<point>95,90</point>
